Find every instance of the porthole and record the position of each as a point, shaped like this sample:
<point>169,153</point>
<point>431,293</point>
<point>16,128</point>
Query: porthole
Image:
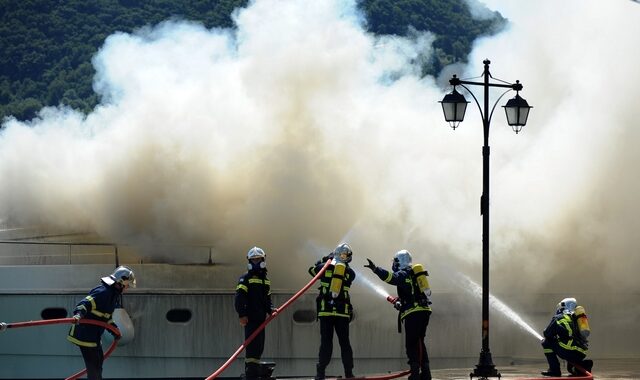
<point>53,313</point>
<point>179,315</point>
<point>304,316</point>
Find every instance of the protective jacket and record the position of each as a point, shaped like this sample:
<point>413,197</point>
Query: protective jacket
<point>253,295</point>
<point>328,306</point>
<point>411,298</point>
<point>564,330</point>
<point>98,305</point>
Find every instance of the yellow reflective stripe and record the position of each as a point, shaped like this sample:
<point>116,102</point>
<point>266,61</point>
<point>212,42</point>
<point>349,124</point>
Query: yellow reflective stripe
<point>242,287</point>
<point>416,308</point>
<point>389,277</point>
<point>251,360</point>
<point>326,285</point>
<point>569,346</point>
<point>256,281</point>
<point>345,288</point>
<point>82,307</point>
<point>332,314</point>
<point>94,308</point>
<point>547,351</point>
<point>100,314</point>
<point>80,342</point>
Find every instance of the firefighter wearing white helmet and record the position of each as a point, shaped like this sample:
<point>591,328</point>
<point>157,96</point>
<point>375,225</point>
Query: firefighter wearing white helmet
<point>99,305</point>
<point>562,339</point>
<point>253,305</point>
<point>334,308</point>
<point>414,307</point>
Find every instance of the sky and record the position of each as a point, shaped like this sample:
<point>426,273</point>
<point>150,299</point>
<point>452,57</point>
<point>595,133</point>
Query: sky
<point>297,130</point>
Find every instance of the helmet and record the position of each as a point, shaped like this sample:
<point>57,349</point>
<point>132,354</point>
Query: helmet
<point>256,253</point>
<point>401,260</point>
<point>343,253</point>
<point>123,276</point>
<point>566,306</point>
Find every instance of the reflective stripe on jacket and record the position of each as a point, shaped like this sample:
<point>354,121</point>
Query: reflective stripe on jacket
<point>253,296</point>
<point>327,306</point>
<point>98,305</point>
<point>411,298</point>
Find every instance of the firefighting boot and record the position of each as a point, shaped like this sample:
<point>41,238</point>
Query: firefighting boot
<point>319,372</point>
<point>251,371</point>
<point>348,373</point>
<point>415,372</point>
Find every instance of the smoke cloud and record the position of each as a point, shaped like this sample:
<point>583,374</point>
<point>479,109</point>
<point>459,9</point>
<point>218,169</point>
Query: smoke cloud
<point>297,130</point>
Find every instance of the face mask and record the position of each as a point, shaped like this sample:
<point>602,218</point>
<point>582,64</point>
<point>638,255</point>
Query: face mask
<point>257,266</point>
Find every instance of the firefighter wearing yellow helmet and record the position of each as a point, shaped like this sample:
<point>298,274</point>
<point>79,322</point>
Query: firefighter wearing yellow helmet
<point>334,308</point>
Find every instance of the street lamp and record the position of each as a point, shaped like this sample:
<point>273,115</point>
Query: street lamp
<point>517,111</point>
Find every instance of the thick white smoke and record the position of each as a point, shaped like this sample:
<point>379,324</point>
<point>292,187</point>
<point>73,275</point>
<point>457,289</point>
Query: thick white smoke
<point>297,126</point>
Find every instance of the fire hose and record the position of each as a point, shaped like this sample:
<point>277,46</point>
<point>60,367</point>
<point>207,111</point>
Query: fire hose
<point>111,328</point>
<point>275,314</point>
<point>266,322</point>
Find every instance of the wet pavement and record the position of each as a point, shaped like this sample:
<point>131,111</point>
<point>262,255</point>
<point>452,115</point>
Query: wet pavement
<point>609,369</point>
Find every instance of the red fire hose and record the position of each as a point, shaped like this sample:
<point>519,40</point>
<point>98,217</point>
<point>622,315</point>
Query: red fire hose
<point>266,322</point>
<point>584,375</point>
<point>59,321</point>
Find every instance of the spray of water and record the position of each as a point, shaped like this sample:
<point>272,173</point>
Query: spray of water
<point>371,285</point>
<point>470,286</point>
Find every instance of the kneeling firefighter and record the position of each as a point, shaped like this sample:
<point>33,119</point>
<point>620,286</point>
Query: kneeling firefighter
<point>334,308</point>
<point>253,305</point>
<point>566,337</point>
<point>414,307</point>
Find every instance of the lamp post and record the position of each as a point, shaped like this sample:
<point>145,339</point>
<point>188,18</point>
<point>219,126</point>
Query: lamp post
<point>517,110</point>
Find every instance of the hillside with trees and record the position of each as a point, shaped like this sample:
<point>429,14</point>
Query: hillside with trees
<point>47,45</point>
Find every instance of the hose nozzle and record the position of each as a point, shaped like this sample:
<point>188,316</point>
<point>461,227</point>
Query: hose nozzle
<point>395,301</point>
<point>3,326</point>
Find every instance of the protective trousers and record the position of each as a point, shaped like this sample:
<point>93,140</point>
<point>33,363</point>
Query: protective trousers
<point>254,349</point>
<point>415,328</point>
<point>93,359</point>
<point>552,350</point>
<point>341,326</point>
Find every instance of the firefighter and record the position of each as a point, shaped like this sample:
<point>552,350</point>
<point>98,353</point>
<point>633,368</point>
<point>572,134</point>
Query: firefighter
<point>562,339</point>
<point>253,305</point>
<point>334,308</point>
<point>99,305</point>
<point>414,307</point>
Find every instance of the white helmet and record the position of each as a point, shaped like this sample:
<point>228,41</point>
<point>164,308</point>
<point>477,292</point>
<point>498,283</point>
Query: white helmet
<point>566,306</point>
<point>401,260</point>
<point>343,253</point>
<point>257,253</point>
<point>123,276</point>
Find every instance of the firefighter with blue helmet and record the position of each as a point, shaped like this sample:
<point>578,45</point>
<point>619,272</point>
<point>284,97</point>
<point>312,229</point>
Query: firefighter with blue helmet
<point>414,307</point>
<point>99,305</point>
<point>562,339</point>
<point>253,305</point>
<point>334,308</point>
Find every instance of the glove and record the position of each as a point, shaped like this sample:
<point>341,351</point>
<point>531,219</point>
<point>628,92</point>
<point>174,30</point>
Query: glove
<point>371,265</point>
<point>244,321</point>
<point>76,318</point>
<point>114,335</point>
<point>274,311</point>
<point>327,257</point>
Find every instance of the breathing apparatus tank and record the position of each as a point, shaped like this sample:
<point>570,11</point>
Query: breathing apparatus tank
<point>421,276</point>
<point>583,322</point>
<point>339,268</point>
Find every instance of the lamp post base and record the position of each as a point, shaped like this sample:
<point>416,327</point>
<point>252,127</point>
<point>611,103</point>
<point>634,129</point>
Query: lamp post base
<point>485,368</point>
